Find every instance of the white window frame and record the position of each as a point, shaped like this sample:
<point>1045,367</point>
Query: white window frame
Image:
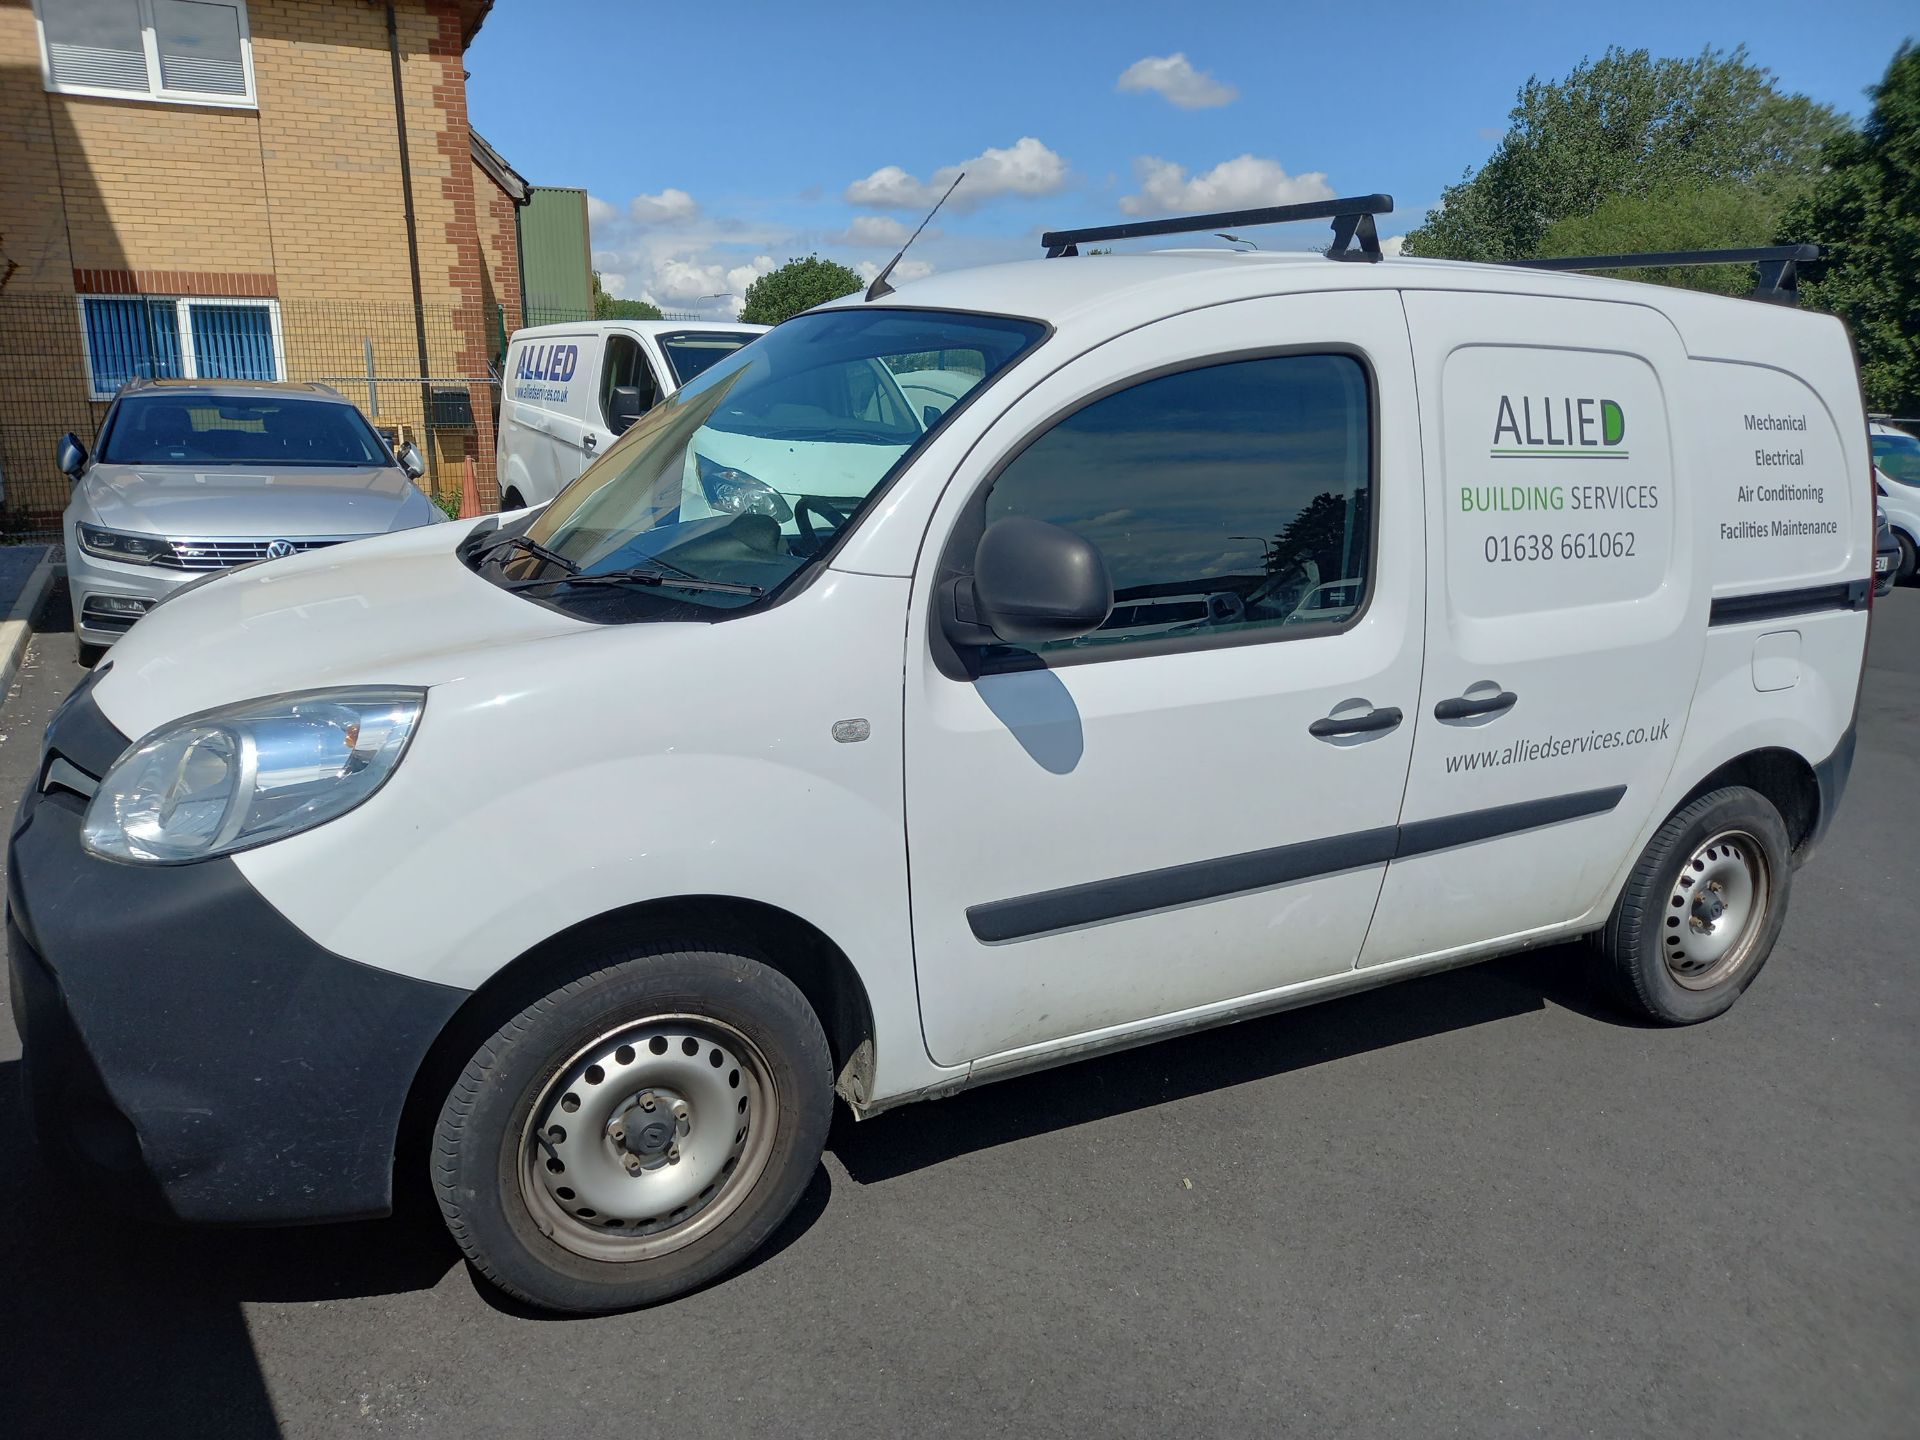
<point>156,93</point>
<point>183,327</point>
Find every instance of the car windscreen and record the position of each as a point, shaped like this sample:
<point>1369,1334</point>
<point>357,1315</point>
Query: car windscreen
<point>725,492</point>
<point>1899,456</point>
<point>268,430</point>
<point>691,352</point>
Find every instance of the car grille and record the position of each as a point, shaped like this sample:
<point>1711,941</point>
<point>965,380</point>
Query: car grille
<point>221,554</point>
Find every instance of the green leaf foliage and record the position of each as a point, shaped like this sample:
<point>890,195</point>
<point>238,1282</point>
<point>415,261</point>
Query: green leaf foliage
<point>1864,214</point>
<point>797,285</point>
<point>1630,127</point>
<point>1686,218</point>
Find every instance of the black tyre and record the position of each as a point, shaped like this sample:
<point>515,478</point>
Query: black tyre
<point>637,1132</point>
<point>88,655</point>
<point>1909,562</point>
<point>512,501</point>
<point>1701,911</point>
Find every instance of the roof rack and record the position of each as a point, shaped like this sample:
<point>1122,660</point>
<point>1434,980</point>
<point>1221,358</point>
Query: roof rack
<point>1354,236</point>
<point>1777,273</point>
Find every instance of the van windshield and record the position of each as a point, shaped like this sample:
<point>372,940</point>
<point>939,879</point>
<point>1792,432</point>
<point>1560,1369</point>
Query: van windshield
<point>1898,456</point>
<point>742,478</point>
<point>693,352</point>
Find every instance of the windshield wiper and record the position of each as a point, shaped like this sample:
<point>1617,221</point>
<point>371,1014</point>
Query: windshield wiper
<point>534,548</point>
<point>640,575</point>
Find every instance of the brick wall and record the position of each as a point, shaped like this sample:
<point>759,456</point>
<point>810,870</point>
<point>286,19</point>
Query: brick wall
<point>301,199</point>
<point>499,249</point>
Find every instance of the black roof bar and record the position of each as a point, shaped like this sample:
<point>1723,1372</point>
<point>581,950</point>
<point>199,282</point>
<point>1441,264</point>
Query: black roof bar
<point>1777,265</point>
<point>1352,226</point>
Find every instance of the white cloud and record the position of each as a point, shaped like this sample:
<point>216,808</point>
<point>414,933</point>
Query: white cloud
<point>1174,77</point>
<point>1237,184</point>
<point>661,248</point>
<point>880,230</point>
<point>668,207</point>
<point>903,272</point>
<point>1391,244</point>
<point>1026,167</point>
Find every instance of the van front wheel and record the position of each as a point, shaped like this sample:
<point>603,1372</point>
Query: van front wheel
<point>1702,909</point>
<point>636,1132</point>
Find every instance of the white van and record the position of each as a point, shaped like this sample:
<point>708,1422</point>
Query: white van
<point>1254,629</point>
<point>570,390</point>
<point>1896,456</point>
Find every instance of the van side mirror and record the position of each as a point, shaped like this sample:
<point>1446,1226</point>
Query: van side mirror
<point>623,408</point>
<point>1032,582</point>
<point>70,455</point>
<point>411,460</point>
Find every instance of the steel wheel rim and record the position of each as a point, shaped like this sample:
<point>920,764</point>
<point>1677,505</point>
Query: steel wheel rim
<point>1716,910</point>
<point>591,1176</point>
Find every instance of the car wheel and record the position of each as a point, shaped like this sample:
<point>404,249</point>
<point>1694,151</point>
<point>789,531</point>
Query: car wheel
<point>636,1132</point>
<point>1701,911</point>
<point>87,654</point>
<point>1909,562</point>
<point>512,501</point>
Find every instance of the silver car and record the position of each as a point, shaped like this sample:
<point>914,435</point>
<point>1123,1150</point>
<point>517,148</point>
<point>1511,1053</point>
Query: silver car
<point>192,477</point>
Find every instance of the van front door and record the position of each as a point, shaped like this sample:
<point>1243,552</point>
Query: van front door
<point>1564,625</point>
<point>1195,803</point>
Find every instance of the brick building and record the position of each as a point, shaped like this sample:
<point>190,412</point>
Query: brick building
<point>272,188</point>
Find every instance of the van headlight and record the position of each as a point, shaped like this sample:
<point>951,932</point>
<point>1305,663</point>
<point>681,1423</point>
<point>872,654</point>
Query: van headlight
<point>249,773</point>
<point>735,492</point>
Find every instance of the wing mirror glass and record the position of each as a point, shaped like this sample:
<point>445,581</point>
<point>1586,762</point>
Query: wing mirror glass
<point>411,460</point>
<point>623,408</point>
<point>1032,582</point>
<point>70,455</point>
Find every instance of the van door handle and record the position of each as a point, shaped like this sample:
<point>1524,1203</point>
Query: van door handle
<point>1367,722</point>
<point>589,440</point>
<point>1463,707</point>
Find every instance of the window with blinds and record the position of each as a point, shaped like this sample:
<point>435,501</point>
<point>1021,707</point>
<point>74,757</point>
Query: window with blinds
<point>140,337</point>
<point>192,51</point>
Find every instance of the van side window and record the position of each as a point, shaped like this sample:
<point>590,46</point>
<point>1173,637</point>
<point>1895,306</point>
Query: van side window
<point>626,364</point>
<point>1225,498</point>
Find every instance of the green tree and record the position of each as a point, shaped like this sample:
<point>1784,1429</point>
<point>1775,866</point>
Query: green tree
<point>1864,213</point>
<point>1628,126</point>
<point>797,285</point>
<point>611,307</point>
<point>1683,218</point>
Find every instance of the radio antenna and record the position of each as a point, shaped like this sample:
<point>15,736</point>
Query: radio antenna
<point>880,286</point>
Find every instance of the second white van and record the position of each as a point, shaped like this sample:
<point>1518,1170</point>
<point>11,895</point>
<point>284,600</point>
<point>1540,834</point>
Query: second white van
<point>569,391</point>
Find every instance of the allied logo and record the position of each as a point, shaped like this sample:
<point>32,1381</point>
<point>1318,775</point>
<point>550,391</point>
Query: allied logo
<point>279,549</point>
<point>1542,425</point>
<point>547,362</point>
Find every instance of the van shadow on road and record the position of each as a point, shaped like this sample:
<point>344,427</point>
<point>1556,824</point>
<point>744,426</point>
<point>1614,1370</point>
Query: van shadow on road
<point>1137,1080</point>
<point>123,1326</point>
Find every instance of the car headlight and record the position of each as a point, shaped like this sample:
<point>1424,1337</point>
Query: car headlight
<point>249,773</point>
<point>118,545</point>
<point>735,492</point>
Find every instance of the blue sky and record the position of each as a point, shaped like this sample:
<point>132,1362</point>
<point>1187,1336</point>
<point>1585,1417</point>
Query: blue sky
<point>718,141</point>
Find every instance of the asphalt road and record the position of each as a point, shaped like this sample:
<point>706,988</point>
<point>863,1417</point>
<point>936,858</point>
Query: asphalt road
<point>1475,1205</point>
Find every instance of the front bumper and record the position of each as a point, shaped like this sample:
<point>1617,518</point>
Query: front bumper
<point>94,584</point>
<point>186,1042</point>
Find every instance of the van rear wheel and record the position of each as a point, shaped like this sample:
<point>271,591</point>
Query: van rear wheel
<point>637,1132</point>
<point>1701,911</point>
